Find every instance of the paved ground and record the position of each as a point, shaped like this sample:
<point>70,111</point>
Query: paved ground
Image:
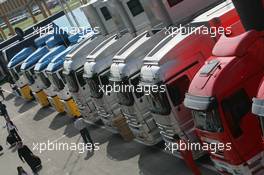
<point>115,156</point>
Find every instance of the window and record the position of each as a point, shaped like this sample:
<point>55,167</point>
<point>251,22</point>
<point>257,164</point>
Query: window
<point>208,120</point>
<point>94,84</point>
<point>71,82</point>
<point>159,103</point>
<point>62,77</point>
<point>208,68</point>
<point>104,79</point>
<point>125,96</point>
<point>28,76</point>
<point>236,106</point>
<point>135,7</point>
<point>178,89</point>
<point>44,79</point>
<point>106,13</point>
<point>135,83</point>
<point>173,2</point>
<point>32,71</point>
<point>80,78</point>
<point>56,81</point>
<point>18,68</point>
<point>14,75</point>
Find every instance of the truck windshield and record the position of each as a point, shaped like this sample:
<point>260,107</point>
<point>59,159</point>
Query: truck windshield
<point>79,75</point>
<point>71,82</point>
<point>14,75</point>
<point>43,79</point>
<point>159,103</point>
<point>55,80</point>
<point>135,83</point>
<point>62,77</point>
<point>94,85</point>
<point>207,120</point>
<point>125,97</point>
<point>18,69</point>
<point>29,77</point>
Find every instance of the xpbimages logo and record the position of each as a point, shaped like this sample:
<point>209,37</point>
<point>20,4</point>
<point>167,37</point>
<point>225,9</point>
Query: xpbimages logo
<point>202,30</point>
<point>69,30</point>
<point>190,146</point>
<point>60,146</point>
<point>124,88</point>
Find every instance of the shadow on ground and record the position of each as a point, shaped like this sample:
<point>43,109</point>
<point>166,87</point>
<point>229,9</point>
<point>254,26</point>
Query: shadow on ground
<point>43,113</point>
<point>70,131</point>
<point>14,149</point>
<point>19,101</point>
<point>149,162</point>
<point>26,106</point>
<point>9,97</point>
<point>72,161</point>
<point>205,160</point>
<point>118,149</point>
<point>89,154</point>
<point>151,158</point>
<point>99,134</point>
<point>59,121</point>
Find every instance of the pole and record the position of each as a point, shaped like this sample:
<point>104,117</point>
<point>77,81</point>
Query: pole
<point>66,14</point>
<point>3,33</point>
<point>41,8</point>
<point>11,29</point>
<point>46,7</point>
<point>73,16</point>
<point>31,14</point>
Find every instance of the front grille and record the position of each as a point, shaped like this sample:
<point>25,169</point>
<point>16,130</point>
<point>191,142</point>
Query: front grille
<point>167,131</point>
<point>132,120</point>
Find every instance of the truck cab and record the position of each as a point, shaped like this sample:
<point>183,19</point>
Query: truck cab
<point>15,72</point>
<point>220,96</point>
<point>97,69</point>
<point>167,72</point>
<point>58,82</point>
<point>124,71</point>
<point>43,83</point>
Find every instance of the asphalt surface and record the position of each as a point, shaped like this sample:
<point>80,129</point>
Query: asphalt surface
<point>114,157</point>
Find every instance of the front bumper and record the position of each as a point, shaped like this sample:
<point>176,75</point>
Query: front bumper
<point>56,103</point>
<point>42,98</point>
<point>146,131</point>
<point>26,93</point>
<point>253,166</point>
<point>71,107</point>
